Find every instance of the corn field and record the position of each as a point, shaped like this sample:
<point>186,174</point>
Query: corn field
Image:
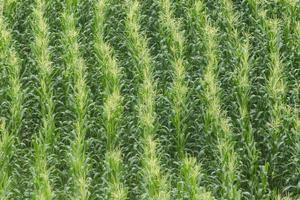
<point>150,99</point>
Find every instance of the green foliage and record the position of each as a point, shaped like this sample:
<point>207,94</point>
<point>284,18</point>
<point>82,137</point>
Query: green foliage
<point>112,106</point>
<point>10,65</point>
<point>189,187</point>
<point>156,99</point>
<point>175,41</point>
<point>6,149</point>
<point>75,76</point>
<point>46,136</point>
<point>216,122</point>
<point>154,183</point>
<point>116,189</point>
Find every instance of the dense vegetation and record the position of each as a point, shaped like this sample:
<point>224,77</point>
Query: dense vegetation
<point>149,99</point>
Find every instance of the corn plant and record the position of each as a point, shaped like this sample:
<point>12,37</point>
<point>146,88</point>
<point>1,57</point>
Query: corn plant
<point>276,89</point>
<point>295,130</point>
<point>230,23</point>
<point>112,108</point>
<point>10,59</point>
<point>45,138</point>
<point>155,184</point>
<point>295,158</point>
<point>189,188</point>
<point>290,56</point>
<point>141,55</point>
<point>114,165</point>
<point>75,75</point>
<point>243,95</point>
<point>6,147</point>
<point>241,80</point>
<point>9,133</point>
<point>241,66</point>
<point>156,99</point>
<point>171,29</point>
<point>217,121</point>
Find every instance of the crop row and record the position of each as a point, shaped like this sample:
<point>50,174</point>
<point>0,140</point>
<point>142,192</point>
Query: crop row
<point>156,99</point>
